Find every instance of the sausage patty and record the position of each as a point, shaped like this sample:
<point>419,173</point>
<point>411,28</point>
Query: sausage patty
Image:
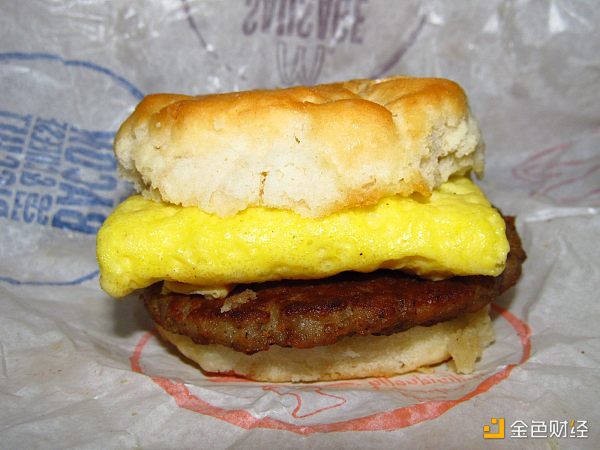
<point>304,314</point>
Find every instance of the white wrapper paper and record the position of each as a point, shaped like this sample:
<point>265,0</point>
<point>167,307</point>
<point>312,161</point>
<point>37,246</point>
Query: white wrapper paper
<point>80,370</point>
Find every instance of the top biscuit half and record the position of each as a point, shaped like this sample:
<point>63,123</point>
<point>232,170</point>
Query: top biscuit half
<point>313,150</point>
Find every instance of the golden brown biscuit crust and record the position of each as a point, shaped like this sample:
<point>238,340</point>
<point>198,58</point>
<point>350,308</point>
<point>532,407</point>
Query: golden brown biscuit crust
<point>313,150</point>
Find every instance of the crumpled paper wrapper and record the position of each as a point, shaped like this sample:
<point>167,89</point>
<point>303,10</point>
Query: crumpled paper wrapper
<point>80,370</point>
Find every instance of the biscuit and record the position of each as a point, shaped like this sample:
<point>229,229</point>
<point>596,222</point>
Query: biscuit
<point>313,150</point>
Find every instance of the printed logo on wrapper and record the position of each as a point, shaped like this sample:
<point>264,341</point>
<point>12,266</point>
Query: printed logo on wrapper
<point>58,179</point>
<point>566,173</point>
<point>353,405</point>
<point>302,35</point>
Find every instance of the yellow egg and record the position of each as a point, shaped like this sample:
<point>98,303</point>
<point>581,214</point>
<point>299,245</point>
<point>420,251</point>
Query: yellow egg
<point>453,232</point>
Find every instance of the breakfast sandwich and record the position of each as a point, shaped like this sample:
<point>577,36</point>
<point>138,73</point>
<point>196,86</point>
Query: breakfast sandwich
<point>311,233</point>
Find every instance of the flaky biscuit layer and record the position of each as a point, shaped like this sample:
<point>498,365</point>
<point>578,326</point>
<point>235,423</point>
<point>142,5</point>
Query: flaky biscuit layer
<point>313,150</point>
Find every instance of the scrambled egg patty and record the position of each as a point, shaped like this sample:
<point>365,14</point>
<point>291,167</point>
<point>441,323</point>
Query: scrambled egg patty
<point>453,232</point>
